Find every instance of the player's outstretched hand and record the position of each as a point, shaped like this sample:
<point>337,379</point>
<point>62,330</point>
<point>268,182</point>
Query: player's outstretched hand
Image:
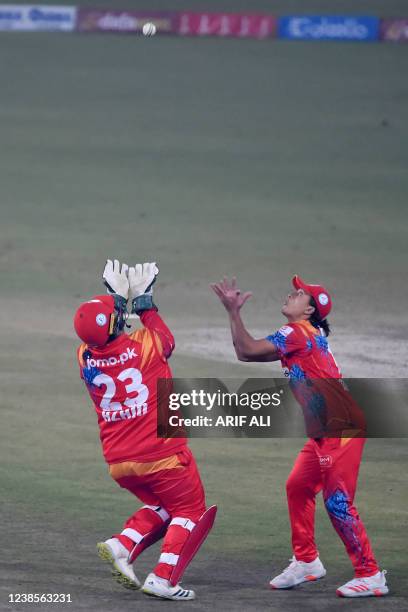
<point>116,279</point>
<point>141,278</point>
<point>229,294</point>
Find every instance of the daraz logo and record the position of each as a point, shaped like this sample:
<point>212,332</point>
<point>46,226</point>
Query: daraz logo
<point>112,361</point>
<point>325,461</point>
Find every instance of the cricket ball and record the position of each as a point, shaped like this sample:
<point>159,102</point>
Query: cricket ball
<point>149,29</point>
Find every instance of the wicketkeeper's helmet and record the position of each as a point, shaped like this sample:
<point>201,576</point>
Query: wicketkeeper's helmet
<point>98,319</point>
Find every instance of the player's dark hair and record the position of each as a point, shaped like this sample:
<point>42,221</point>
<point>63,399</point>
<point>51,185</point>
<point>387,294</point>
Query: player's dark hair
<point>316,321</point>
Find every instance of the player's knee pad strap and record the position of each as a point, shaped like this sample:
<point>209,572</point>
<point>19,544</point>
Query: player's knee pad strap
<point>164,515</point>
<point>183,522</point>
<point>169,558</point>
<point>133,535</point>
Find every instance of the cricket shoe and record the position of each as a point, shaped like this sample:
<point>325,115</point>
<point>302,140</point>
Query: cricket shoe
<point>160,587</point>
<point>298,572</point>
<point>375,586</point>
<point>117,555</point>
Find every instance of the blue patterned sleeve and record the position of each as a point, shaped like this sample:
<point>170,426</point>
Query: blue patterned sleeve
<point>287,340</point>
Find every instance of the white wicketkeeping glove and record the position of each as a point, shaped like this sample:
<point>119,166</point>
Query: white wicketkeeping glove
<point>115,279</point>
<point>141,279</point>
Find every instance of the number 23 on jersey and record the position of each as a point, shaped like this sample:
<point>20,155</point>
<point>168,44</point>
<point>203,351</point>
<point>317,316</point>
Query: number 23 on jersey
<point>132,406</point>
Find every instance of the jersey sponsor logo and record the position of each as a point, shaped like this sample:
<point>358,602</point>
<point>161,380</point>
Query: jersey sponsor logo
<point>111,361</point>
<point>285,330</point>
<point>326,461</point>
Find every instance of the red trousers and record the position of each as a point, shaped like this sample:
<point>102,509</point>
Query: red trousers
<point>174,500</point>
<point>329,465</point>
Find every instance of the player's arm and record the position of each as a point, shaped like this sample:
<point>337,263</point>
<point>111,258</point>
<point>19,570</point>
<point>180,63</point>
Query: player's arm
<point>246,346</point>
<point>141,280</point>
<point>153,321</point>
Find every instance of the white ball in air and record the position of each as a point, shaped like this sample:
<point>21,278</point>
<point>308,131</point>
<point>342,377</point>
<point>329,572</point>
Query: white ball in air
<point>149,29</point>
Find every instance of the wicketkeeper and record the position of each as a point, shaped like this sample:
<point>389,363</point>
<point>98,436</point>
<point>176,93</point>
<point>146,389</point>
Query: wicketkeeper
<point>330,460</point>
<point>120,371</point>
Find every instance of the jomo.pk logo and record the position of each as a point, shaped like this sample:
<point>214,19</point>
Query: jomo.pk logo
<point>111,361</point>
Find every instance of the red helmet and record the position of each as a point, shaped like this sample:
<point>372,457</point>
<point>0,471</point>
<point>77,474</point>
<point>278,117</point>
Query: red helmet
<point>318,293</point>
<point>95,320</point>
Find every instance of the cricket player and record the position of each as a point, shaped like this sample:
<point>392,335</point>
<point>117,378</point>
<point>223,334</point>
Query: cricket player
<point>330,459</point>
<point>120,372</point>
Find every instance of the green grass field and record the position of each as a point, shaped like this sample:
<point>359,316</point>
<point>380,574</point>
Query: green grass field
<point>214,157</point>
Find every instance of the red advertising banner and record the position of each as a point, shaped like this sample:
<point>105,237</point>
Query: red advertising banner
<point>125,22</point>
<point>237,25</point>
<point>394,30</point>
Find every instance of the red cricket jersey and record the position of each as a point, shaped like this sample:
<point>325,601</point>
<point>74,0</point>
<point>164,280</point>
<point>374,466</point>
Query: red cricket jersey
<point>328,407</point>
<point>121,378</point>
<point>304,351</point>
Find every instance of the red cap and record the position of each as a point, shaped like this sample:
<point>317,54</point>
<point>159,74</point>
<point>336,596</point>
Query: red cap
<point>318,293</point>
<point>93,320</point>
